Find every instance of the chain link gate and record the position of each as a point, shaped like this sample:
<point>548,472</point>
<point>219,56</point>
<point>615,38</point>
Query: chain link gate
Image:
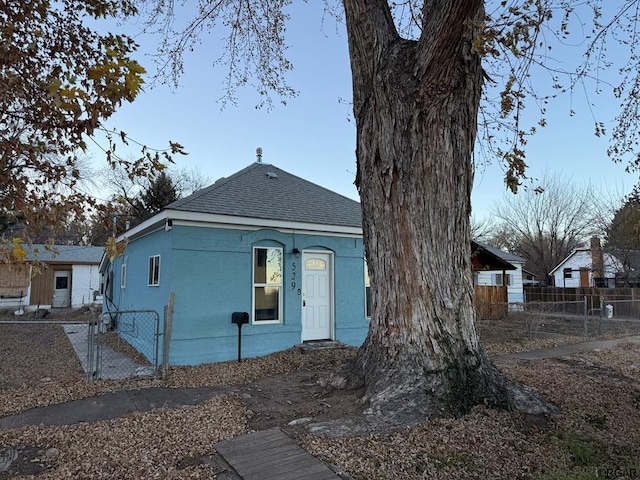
<point>124,344</point>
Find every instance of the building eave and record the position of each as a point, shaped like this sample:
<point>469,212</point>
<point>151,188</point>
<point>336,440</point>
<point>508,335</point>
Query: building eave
<point>167,219</point>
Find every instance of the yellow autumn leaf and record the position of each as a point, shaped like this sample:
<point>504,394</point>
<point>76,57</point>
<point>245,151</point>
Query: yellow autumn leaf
<point>18,250</point>
<point>135,67</point>
<point>53,86</point>
<point>114,249</point>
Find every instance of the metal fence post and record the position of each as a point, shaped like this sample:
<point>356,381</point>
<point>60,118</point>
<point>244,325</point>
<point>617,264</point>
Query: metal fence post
<point>156,347</point>
<point>601,313</point>
<point>586,324</point>
<point>166,340</point>
<point>89,349</point>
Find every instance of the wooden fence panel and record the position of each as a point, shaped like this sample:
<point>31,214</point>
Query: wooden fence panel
<point>492,301</point>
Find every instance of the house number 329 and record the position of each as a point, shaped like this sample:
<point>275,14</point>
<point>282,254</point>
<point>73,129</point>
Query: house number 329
<point>293,275</point>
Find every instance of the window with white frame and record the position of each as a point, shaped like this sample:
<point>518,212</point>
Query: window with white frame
<point>154,271</point>
<point>367,291</point>
<point>567,273</point>
<point>123,276</point>
<point>499,279</point>
<point>267,284</point>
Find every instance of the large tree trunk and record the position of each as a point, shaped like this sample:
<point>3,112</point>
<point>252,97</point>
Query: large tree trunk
<point>416,106</point>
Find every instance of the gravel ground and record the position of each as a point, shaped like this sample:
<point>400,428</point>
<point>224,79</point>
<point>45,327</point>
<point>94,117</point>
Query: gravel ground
<point>598,428</point>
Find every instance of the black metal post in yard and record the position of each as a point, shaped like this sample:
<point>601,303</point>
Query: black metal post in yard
<point>239,342</point>
<point>240,318</point>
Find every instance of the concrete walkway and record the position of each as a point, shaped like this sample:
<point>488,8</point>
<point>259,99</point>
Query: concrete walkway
<point>113,366</point>
<point>111,405</point>
<point>565,350</point>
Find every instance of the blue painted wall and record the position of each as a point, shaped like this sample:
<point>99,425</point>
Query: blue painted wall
<point>210,272</point>
<point>139,330</point>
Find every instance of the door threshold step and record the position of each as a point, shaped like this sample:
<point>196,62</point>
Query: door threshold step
<point>315,345</point>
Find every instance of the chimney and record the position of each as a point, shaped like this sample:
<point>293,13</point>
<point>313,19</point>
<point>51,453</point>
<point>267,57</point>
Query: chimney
<point>259,155</point>
<point>597,260</point>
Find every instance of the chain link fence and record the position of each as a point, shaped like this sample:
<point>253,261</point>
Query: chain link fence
<point>589,318</point>
<point>114,346</point>
<point>124,344</point>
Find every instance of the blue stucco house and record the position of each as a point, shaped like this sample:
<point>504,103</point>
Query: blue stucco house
<point>262,241</point>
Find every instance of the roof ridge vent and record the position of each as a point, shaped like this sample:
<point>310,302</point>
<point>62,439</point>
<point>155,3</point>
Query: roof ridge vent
<point>272,175</point>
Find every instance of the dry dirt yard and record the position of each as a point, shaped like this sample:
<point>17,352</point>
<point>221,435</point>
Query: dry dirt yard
<point>596,435</point>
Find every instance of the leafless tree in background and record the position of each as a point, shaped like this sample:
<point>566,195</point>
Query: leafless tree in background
<point>544,225</point>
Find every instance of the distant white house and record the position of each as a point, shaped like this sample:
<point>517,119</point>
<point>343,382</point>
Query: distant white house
<point>512,279</point>
<point>576,270</point>
<point>68,276</point>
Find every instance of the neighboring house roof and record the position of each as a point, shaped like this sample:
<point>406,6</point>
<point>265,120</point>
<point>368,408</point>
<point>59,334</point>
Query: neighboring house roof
<point>76,254</point>
<point>506,256</point>
<point>264,191</point>
<point>484,258</point>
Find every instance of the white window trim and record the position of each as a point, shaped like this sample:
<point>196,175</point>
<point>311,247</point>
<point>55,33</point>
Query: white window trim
<point>123,275</point>
<point>509,278</point>
<point>151,272</point>
<point>280,286</point>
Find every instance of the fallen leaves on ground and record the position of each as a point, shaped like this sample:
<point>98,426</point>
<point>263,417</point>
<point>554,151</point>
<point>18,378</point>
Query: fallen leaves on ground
<point>596,433</point>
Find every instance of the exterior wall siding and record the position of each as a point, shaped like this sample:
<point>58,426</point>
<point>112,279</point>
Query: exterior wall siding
<point>137,294</point>
<point>210,272</point>
<point>41,292</point>
<point>85,279</point>
<point>515,291</point>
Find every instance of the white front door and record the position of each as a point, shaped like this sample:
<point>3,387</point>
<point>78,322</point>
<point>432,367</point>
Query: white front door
<point>317,296</point>
<point>61,289</point>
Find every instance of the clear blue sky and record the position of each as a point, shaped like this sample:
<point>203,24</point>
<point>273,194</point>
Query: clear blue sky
<point>314,135</point>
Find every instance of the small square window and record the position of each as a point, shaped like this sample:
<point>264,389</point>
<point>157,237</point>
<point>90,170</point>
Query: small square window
<point>62,283</point>
<point>154,271</point>
<point>567,273</point>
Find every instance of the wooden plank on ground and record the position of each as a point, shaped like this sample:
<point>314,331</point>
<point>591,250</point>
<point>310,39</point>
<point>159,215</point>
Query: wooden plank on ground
<point>272,455</point>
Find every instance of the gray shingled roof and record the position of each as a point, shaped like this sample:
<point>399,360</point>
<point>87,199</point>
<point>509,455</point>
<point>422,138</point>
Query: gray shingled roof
<point>509,257</point>
<point>264,191</point>
<point>65,253</point>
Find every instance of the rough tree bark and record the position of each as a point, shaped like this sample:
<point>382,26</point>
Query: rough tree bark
<point>416,106</point>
